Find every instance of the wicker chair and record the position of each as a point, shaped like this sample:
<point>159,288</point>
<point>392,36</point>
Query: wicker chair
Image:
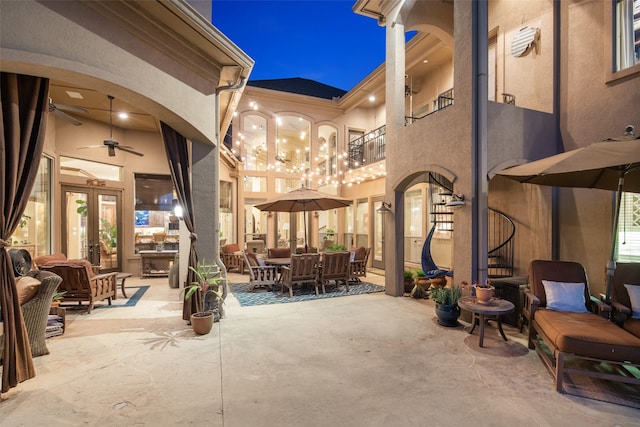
<point>335,268</point>
<point>303,269</point>
<point>36,312</point>
<point>626,274</point>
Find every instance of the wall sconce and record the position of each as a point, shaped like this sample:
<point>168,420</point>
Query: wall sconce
<point>386,207</point>
<point>457,201</point>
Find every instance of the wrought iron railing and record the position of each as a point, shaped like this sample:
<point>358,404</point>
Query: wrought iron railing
<point>368,149</point>
<point>445,99</point>
<point>502,232</point>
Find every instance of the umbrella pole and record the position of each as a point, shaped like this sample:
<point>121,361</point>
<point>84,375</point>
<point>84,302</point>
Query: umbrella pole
<point>305,233</point>
<point>611,264</point>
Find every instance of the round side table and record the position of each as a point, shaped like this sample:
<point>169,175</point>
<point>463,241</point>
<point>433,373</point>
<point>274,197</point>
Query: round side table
<point>495,307</point>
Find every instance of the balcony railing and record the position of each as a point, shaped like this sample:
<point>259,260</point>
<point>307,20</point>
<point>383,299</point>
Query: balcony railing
<point>368,149</point>
<point>445,99</point>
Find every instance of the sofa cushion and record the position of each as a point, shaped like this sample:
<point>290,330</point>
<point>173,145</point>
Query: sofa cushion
<point>634,298</point>
<point>44,259</point>
<point>231,248</point>
<point>27,288</point>
<point>564,296</point>
<point>633,326</point>
<point>588,335</point>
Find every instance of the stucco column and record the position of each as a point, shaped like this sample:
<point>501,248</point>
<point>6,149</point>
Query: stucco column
<point>204,162</point>
<point>394,83</point>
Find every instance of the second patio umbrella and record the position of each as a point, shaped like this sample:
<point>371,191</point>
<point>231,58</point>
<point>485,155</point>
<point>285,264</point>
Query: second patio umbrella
<point>613,164</point>
<point>303,200</point>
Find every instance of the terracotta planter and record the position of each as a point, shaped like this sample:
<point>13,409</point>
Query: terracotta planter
<point>484,295</point>
<point>202,322</point>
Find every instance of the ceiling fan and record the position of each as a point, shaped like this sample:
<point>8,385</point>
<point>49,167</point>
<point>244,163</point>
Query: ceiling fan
<point>111,143</point>
<point>59,110</point>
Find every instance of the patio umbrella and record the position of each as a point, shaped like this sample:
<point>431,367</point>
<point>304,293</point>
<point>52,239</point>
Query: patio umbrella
<point>303,200</point>
<point>613,164</point>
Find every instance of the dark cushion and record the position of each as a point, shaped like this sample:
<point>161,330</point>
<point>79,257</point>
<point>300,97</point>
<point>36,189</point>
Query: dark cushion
<point>360,253</point>
<point>588,335</point>
<point>280,253</point>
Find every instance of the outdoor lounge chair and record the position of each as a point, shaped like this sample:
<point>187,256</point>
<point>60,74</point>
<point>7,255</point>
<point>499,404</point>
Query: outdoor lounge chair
<point>626,283</point>
<point>303,269</point>
<point>81,284</point>
<point>232,257</point>
<point>260,275</point>
<point>335,268</point>
<point>570,329</point>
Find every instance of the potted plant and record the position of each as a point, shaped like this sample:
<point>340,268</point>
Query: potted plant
<point>56,298</point>
<point>207,280</point>
<point>421,279</point>
<point>408,280</point>
<point>484,293</point>
<point>446,301</point>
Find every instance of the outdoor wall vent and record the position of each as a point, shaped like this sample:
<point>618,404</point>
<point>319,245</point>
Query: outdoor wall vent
<point>524,40</point>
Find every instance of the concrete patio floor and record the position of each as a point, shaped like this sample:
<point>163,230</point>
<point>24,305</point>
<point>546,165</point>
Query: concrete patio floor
<point>363,360</point>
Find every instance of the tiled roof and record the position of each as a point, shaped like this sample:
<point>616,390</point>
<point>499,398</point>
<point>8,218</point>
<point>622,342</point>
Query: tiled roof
<point>300,86</point>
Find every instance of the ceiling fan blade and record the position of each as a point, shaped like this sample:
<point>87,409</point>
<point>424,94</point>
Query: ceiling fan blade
<point>112,151</point>
<point>66,117</point>
<point>128,150</point>
<point>91,146</point>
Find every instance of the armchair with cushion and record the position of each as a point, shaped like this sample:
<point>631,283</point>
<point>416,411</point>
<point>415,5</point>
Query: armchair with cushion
<point>232,257</point>
<point>35,291</point>
<point>81,284</point>
<point>570,329</point>
<point>625,297</point>
<point>260,275</point>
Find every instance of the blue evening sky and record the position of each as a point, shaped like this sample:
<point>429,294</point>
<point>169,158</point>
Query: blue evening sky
<point>321,40</point>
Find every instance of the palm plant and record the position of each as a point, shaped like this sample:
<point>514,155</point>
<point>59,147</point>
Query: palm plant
<point>206,282</point>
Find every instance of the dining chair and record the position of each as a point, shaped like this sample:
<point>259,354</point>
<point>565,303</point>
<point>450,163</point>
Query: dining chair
<point>303,269</point>
<point>334,268</point>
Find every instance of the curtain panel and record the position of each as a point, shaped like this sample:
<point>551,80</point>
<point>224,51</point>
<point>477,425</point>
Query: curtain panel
<point>177,150</point>
<point>24,108</point>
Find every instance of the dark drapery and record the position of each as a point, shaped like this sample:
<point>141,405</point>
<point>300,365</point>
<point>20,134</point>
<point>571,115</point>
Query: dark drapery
<point>25,104</point>
<point>180,164</point>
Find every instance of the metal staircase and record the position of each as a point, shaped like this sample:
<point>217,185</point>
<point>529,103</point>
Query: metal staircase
<point>501,250</point>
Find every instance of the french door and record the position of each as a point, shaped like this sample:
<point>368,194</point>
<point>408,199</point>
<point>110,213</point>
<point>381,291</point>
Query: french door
<point>378,235</point>
<point>91,225</point>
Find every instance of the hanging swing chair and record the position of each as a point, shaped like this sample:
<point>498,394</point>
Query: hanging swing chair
<point>429,267</point>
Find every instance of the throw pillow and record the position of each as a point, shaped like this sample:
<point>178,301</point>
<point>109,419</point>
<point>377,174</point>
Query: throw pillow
<point>27,288</point>
<point>634,297</point>
<point>563,296</point>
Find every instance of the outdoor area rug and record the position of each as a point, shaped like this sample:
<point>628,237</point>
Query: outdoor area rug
<point>307,293</point>
<point>604,390</point>
<point>135,294</point>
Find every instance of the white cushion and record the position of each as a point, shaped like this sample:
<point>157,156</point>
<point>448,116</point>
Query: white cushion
<point>563,296</point>
<point>634,297</point>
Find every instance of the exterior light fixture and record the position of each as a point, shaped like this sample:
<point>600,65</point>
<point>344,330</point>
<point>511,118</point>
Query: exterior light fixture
<point>386,207</point>
<point>457,201</point>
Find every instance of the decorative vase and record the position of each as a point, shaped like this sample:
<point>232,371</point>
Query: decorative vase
<point>423,282</point>
<point>447,314</point>
<point>484,295</point>
<point>202,322</point>
<point>408,284</point>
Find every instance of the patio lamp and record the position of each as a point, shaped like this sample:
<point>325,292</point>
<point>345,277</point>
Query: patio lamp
<point>385,208</point>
